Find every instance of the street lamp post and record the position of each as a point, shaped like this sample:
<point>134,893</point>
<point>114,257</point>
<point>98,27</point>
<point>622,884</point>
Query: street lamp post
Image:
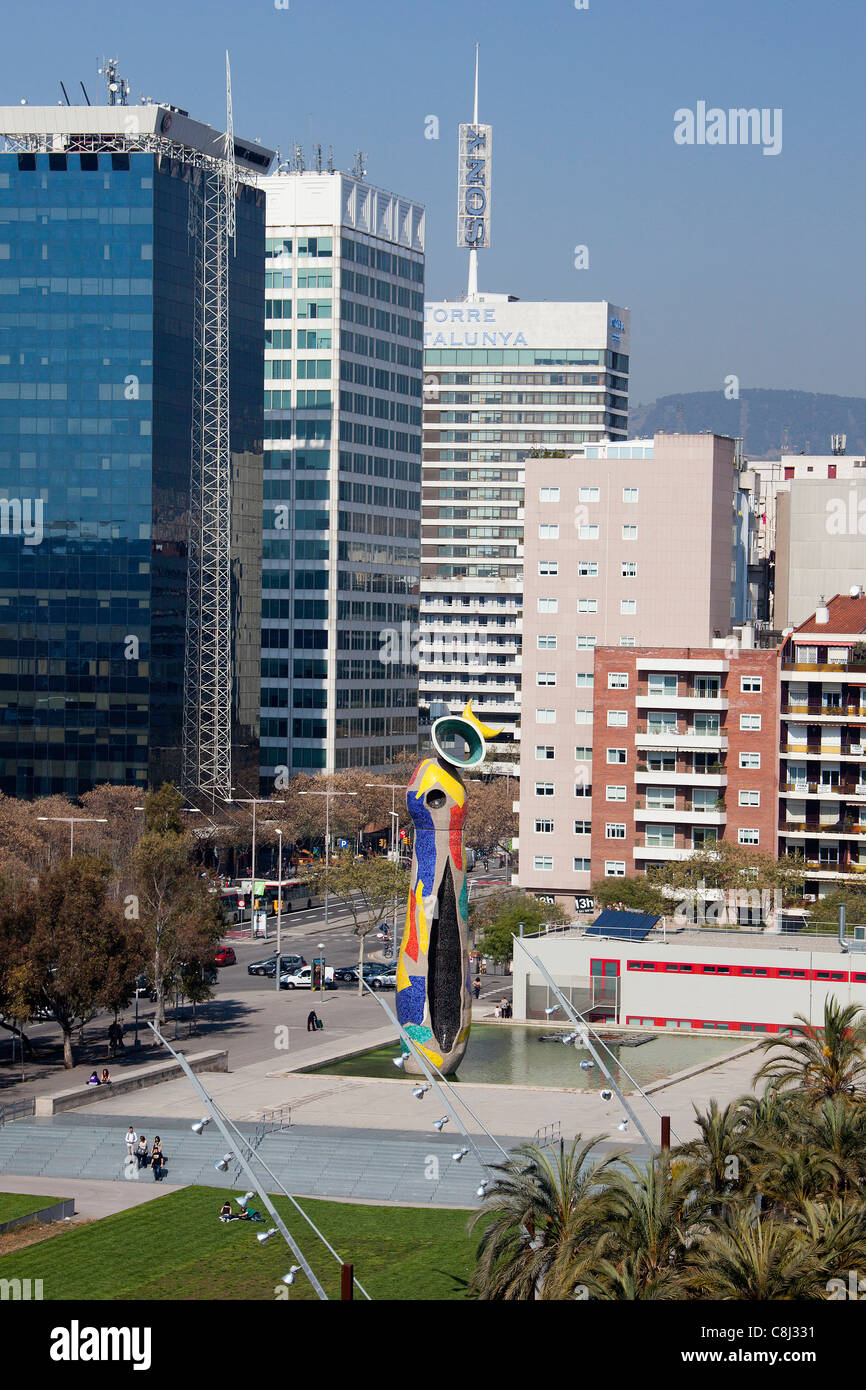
<point>327,795</point>
<point>72,821</point>
<point>322,970</point>
<point>394,788</point>
<point>279,904</point>
<point>255,801</point>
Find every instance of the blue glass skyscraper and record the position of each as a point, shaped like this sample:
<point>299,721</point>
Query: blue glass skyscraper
<point>97,348</point>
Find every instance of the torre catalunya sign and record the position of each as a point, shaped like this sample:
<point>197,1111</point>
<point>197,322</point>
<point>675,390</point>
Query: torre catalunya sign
<point>526,324</point>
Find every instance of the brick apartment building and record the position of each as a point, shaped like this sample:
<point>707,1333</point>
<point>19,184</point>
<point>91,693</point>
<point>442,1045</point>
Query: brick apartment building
<point>685,753</point>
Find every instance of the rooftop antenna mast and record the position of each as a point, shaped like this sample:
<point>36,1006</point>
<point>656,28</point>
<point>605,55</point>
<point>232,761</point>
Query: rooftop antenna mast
<point>207,650</point>
<point>473,189</point>
<point>118,87</point>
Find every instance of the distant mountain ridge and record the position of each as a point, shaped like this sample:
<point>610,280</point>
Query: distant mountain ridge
<point>770,422</point>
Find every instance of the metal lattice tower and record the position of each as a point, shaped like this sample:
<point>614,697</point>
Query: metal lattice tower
<point>207,701</point>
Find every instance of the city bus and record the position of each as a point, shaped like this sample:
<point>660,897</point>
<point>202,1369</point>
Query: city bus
<point>235,899</point>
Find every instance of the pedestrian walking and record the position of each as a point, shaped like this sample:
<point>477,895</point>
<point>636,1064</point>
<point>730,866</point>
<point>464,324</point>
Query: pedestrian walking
<point>312,1021</point>
<point>130,1139</point>
<point>477,986</point>
<point>142,1154</point>
<point>157,1160</point>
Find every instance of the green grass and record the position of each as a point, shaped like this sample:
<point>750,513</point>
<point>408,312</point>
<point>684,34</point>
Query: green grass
<point>14,1204</point>
<point>176,1248</point>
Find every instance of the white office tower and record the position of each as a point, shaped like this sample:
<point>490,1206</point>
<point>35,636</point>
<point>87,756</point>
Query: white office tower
<point>503,379</point>
<point>341,551</point>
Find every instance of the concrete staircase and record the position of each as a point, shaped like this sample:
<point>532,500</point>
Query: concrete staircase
<point>369,1165</point>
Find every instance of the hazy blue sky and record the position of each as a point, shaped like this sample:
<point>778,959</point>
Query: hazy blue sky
<point>731,261</point>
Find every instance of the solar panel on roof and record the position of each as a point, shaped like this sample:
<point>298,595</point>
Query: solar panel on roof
<point>624,926</point>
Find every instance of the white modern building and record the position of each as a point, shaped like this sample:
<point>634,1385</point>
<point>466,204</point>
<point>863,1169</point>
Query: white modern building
<point>342,479</point>
<point>503,379</point>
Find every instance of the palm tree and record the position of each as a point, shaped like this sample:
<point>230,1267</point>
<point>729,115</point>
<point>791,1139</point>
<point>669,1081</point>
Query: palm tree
<point>837,1131</point>
<point>714,1161</point>
<point>820,1062</point>
<point>837,1233</point>
<point>653,1219</point>
<point>541,1220</point>
<point>758,1258</point>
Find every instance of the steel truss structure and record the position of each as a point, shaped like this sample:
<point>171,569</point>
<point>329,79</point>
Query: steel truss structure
<point>207,705</point>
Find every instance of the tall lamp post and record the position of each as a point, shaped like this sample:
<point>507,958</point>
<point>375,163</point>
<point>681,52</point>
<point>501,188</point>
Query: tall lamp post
<point>279,904</point>
<point>394,788</point>
<point>72,821</point>
<point>327,795</point>
<point>254,802</point>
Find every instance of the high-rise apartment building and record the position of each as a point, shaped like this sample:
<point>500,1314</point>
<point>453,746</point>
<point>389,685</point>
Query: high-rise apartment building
<point>503,379</point>
<point>822,797</point>
<point>122,304</point>
<point>341,550</point>
<point>627,545</point>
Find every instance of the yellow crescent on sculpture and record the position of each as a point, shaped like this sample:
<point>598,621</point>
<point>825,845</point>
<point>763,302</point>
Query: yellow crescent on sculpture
<point>484,729</point>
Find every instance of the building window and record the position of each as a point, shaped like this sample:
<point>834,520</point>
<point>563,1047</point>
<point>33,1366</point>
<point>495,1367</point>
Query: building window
<point>543,863</point>
<point>663,798</point>
<point>659,684</point>
<point>548,568</point>
<point>614,868</point>
<point>629,494</point>
<point>746,836</point>
<point>587,569</point>
<point>581,866</point>
<point>582,753</point>
<point>544,751</point>
<point>751,685</point>
<point>614,830</point>
<point>585,641</point>
<point>628,606</point>
<point>749,798</point>
<point>629,533</point>
<point>808,656</point>
<point>548,531</point>
<point>749,760</point>
<point>583,789</point>
<point>617,718</point>
<point>659,837</point>
<point>545,678</point>
<point>614,793</point>
<point>544,827</point>
<point>548,605</point>
<point>544,789</point>
<point>628,569</point>
<point>548,494</point>
<point>545,716</point>
<point>617,755</point>
<point>583,827</point>
<point>584,680</point>
<point>617,680</point>
<point>589,494</point>
<point>588,532</point>
<point>583,716</point>
<point>587,605</point>
<point>750,722</point>
<point>546,641</point>
<point>626,641</point>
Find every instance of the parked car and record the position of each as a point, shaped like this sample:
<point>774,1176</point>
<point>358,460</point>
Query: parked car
<point>385,980</point>
<point>225,956</point>
<point>268,966</point>
<point>301,979</point>
<point>349,973</point>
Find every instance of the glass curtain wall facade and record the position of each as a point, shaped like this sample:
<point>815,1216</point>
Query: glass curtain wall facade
<point>342,488</point>
<point>96,350</point>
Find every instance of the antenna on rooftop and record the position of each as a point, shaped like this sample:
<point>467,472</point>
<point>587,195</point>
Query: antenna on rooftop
<point>330,159</point>
<point>358,170</point>
<point>118,87</point>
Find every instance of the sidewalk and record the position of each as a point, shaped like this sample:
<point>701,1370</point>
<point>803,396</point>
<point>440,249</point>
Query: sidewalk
<point>93,1199</point>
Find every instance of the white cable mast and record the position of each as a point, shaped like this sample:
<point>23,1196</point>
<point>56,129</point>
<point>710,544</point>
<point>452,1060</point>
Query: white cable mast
<point>472,291</point>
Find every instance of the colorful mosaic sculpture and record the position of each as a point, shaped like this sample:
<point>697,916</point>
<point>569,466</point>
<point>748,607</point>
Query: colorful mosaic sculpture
<point>434,984</point>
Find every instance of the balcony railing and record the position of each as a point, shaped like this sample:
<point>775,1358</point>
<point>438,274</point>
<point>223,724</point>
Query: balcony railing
<point>850,711</point>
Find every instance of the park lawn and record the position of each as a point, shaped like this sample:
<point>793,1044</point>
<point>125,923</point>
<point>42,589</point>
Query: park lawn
<point>176,1248</point>
<point>14,1204</point>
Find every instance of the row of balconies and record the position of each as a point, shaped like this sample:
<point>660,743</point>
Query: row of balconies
<point>823,789</point>
<point>818,710</point>
<point>843,826</point>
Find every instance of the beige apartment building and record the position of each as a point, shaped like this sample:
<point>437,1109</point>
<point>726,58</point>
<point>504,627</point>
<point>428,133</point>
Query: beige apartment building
<point>626,545</point>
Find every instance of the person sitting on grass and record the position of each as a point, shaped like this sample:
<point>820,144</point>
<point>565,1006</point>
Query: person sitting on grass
<point>250,1214</point>
<point>226,1213</point>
